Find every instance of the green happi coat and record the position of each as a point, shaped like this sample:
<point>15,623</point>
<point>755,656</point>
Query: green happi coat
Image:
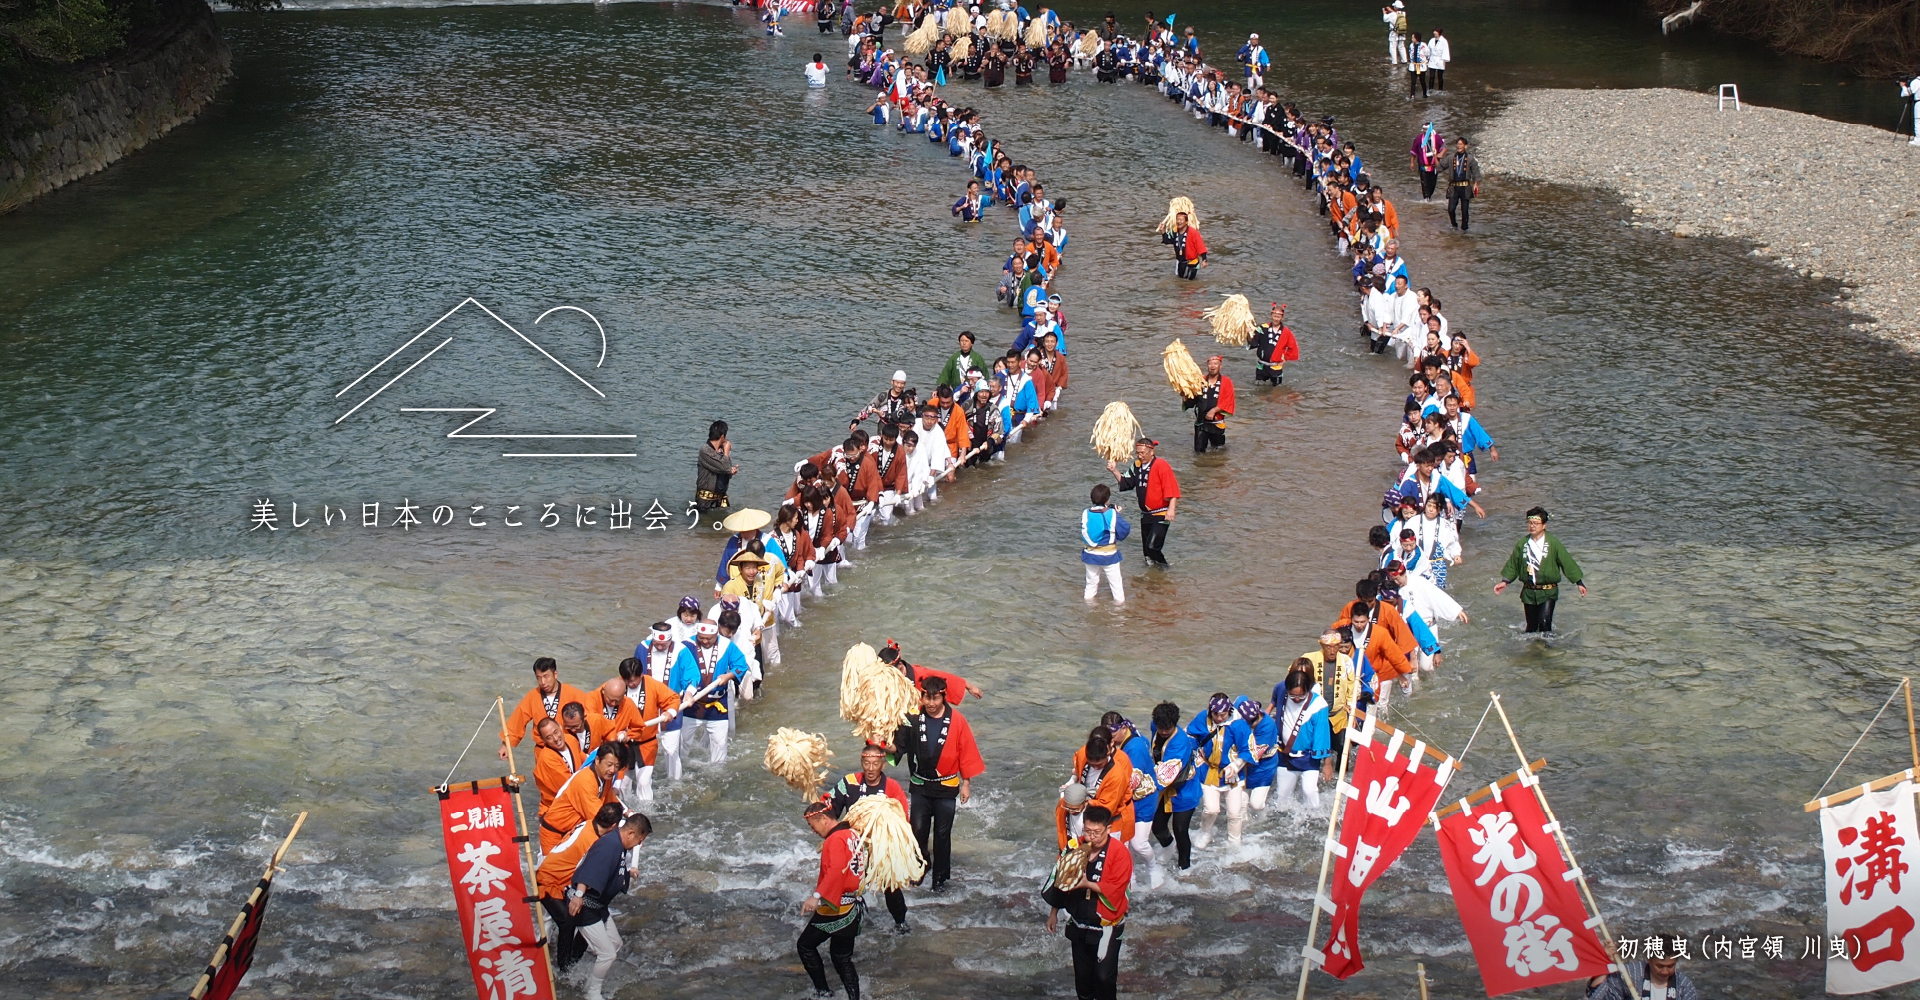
<point>1543,584</point>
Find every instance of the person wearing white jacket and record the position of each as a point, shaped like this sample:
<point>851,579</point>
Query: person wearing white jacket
<point>1377,313</point>
<point>1403,322</point>
<point>1439,53</point>
<point>928,461</point>
<point>1911,91</point>
<point>1419,596</point>
<point>1396,18</point>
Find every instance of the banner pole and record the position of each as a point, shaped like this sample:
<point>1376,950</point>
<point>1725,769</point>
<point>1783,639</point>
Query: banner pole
<point>1326,849</point>
<point>1420,969</point>
<point>1912,741</point>
<point>220,953</point>
<point>526,847</point>
<point>1593,906</point>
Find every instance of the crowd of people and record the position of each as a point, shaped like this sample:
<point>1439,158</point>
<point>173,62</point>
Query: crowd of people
<point>1128,806</point>
<point>597,752</point>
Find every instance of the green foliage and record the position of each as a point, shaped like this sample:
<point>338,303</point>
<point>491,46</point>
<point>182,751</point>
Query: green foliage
<point>59,31</point>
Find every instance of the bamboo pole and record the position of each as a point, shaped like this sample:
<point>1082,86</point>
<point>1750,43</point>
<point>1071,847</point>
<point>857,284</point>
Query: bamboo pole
<point>1539,764</point>
<point>1913,742</point>
<point>1326,849</point>
<point>1434,752</point>
<point>1420,970</point>
<point>220,953</point>
<point>1876,785</point>
<point>1560,834</point>
<point>526,845</point>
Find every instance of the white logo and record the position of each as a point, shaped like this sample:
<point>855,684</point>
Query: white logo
<point>483,412</point>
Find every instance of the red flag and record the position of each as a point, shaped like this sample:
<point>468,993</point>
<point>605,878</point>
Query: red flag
<point>490,890</point>
<point>1390,800</point>
<point>222,981</point>
<point>1516,897</point>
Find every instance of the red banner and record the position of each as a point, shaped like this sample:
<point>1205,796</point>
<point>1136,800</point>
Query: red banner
<point>1390,799</point>
<point>490,890</point>
<point>1516,896</point>
<point>223,981</point>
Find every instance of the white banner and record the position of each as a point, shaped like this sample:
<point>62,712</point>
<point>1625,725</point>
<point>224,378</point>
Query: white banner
<point>1872,896</point>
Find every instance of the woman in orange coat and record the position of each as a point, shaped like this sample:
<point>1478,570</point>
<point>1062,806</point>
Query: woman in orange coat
<point>1107,775</point>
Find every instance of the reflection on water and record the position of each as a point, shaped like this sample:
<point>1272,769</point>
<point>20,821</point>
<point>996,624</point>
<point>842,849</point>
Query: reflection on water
<point>1733,469</point>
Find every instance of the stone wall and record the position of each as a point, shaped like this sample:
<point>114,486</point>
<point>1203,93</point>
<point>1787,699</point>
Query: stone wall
<point>115,105</point>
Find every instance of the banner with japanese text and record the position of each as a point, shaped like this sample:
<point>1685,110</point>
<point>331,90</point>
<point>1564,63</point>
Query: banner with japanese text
<point>1390,800</point>
<point>490,890</point>
<point>1869,904</point>
<point>1516,896</point>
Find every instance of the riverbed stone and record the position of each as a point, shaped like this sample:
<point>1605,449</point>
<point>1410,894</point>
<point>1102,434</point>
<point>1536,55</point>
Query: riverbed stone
<point>1803,188</point>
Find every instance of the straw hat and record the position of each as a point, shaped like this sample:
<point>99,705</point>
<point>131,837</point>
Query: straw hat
<point>747,519</point>
<point>747,558</point>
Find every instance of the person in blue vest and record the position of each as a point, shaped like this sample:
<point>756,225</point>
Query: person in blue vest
<point>1146,788</point>
<point>1306,738</point>
<point>602,876</point>
<point>1102,529</point>
<point>970,205</point>
<point>1221,736</point>
<point>1172,750</point>
<point>1253,56</point>
<point>702,660</point>
<point>1263,746</point>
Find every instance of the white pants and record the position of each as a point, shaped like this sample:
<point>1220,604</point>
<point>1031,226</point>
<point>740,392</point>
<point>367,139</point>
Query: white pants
<point>645,781</point>
<point>1396,47</point>
<point>1210,796</point>
<point>1423,659</point>
<point>1308,782</point>
<point>770,641</point>
<point>885,511</point>
<point>603,939</point>
<point>716,733</point>
<point>669,753</point>
<point>1257,799</point>
<point>1113,583</point>
<point>861,523</point>
<point>1142,846</point>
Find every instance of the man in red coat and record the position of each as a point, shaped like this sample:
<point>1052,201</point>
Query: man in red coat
<point>1096,906</point>
<point>1273,346</point>
<point>871,779</point>
<point>942,762</point>
<point>1211,408</point>
<point>1189,248</point>
<point>833,910</point>
<point>1152,480</point>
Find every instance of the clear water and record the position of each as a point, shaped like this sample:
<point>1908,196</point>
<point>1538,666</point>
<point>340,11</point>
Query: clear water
<point>1732,467</point>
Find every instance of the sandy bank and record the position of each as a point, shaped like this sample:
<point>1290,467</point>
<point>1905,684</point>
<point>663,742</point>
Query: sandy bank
<point>1825,199</point>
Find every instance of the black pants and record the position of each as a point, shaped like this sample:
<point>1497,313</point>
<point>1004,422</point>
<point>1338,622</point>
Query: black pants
<point>1184,269</point>
<point>1153,537</point>
<point>1428,179</point>
<point>839,948</point>
<point>1267,374</point>
<point>1539,616</point>
<point>826,27</point>
<point>1439,79</point>
<point>1095,978</point>
<point>1205,434</point>
<point>933,828</point>
<point>1416,80</point>
<point>1177,826</point>
<point>568,945</point>
<point>1461,195</point>
<point>897,905</point>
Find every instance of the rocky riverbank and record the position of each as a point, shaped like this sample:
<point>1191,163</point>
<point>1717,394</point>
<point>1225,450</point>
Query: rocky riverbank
<point>1822,198</point>
<point>111,106</point>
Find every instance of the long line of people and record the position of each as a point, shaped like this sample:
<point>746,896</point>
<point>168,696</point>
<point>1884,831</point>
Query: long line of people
<point>596,752</point>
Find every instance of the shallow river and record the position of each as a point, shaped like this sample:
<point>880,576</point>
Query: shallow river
<point>1734,469</point>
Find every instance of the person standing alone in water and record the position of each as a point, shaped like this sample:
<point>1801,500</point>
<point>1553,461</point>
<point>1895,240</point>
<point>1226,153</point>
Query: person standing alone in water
<point>716,468</point>
<point>1541,564</point>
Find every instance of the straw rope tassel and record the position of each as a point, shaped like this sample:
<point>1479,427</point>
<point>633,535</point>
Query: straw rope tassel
<point>1593,907</point>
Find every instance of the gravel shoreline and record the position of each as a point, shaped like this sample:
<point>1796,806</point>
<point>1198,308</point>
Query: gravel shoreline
<point>1822,198</point>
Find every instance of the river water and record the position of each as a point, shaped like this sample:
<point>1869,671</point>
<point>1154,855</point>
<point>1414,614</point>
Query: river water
<point>1735,471</point>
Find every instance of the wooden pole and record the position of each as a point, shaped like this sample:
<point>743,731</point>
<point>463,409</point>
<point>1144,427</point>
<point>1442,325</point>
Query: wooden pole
<point>1420,969</point>
<point>526,846</point>
<point>1540,795</point>
<point>1326,849</point>
<point>1912,741</point>
<point>220,953</point>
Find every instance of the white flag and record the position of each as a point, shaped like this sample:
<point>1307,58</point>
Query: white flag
<point>1873,899</point>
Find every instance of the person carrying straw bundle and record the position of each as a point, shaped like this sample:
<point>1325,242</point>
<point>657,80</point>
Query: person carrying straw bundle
<point>1177,207</point>
<point>1211,407</point>
<point>942,761</point>
<point>1115,432</point>
<point>1036,37</point>
<point>920,42</point>
<point>1154,483</point>
<point>799,759</point>
<point>1189,247</point>
<point>871,781</point>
